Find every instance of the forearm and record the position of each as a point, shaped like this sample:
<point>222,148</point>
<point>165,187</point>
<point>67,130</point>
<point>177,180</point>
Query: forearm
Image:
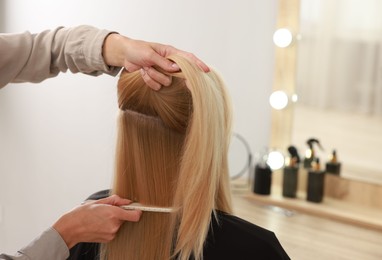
<point>49,245</point>
<point>35,57</point>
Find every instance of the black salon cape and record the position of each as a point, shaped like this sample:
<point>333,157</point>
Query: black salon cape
<point>231,238</point>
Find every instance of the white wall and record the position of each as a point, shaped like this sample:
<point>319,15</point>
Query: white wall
<point>57,137</point>
<point>2,16</point>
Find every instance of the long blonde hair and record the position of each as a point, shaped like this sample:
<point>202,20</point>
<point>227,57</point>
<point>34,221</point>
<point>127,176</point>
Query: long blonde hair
<point>172,150</point>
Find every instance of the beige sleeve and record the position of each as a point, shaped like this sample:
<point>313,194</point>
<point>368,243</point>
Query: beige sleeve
<point>49,245</point>
<point>27,57</point>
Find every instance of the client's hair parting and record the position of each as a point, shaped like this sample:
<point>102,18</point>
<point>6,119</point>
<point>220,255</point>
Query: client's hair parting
<point>172,149</point>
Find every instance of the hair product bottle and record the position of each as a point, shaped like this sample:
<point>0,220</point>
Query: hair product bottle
<point>263,179</point>
<point>290,173</point>
<point>290,178</point>
<point>316,180</point>
<point>333,166</point>
<point>310,152</point>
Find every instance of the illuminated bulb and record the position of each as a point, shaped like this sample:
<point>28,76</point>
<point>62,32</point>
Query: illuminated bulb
<point>278,100</point>
<point>275,160</point>
<point>294,98</point>
<point>282,37</point>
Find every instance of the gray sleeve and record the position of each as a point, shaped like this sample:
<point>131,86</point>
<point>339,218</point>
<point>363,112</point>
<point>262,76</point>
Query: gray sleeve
<point>27,57</point>
<point>49,245</point>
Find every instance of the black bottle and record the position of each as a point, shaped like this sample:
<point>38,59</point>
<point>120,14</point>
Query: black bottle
<point>333,166</point>
<point>316,181</point>
<point>308,159</point>
<point>310,153</point>
<point>290,179</point>
<point>263,179</point>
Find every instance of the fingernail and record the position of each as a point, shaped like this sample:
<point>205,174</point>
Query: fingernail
<point>175,66</point>
<point>142,71</point>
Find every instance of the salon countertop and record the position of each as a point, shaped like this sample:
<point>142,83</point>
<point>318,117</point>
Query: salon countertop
<point>305,236</point>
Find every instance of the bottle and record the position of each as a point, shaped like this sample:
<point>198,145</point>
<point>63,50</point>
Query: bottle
<point>308,159</point>
<point>291,173</point>
<point>310,152</point>
<point>333,166</point>
<point>263,179</point>
<point>316,180</point>
<point>290,178</point>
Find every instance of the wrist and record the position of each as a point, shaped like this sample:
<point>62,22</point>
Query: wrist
<point>112,50</point>
<point>65,227</point>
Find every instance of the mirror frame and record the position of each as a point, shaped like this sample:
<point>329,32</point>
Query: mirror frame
<point>284,78</point>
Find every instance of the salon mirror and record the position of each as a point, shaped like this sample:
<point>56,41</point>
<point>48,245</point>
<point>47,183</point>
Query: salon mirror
<point>240,157</point>
<point>338,80</point>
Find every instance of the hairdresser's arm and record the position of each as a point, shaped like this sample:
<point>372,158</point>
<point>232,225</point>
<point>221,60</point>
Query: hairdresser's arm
<point>97,221</point>
<point>27,57</point>
<point>35,57</point>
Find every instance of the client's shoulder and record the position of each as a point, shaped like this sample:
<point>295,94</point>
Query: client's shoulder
<point>231,236</point>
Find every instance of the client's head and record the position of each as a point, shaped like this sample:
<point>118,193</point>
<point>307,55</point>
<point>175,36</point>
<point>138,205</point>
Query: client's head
<point>172,150</point>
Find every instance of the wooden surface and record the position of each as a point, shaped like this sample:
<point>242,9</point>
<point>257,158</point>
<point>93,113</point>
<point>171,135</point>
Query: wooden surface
<point>330,208</point>
<point>353,191</point>
<point>305,236</point>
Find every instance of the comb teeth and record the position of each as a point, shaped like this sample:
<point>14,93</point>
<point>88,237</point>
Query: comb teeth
<point>138,206</point>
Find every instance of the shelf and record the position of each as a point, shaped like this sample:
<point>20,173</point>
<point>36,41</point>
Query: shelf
<point>330,208</point>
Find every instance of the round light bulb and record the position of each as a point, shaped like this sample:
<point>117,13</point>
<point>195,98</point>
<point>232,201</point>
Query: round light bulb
<point>282,37</point>
<point>275,160</point>
<point>278,100</point>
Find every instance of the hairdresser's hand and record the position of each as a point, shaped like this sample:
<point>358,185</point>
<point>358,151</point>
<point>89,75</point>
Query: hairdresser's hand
<point>96,221</point>
<point>132,54</point>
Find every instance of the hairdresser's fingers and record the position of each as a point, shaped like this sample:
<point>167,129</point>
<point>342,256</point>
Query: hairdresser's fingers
<point>127,215</point>
<point>158,57</point>
<point>113,200</point>
<point>153,78</point>
<point>167,50</point>
<point>149,81</point>
<point>156,76</point>
<point>194,59</point>
<point>131,67</point>
<point>119,213</point>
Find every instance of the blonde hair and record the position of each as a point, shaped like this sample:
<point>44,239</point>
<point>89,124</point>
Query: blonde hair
<point>172,150</point>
